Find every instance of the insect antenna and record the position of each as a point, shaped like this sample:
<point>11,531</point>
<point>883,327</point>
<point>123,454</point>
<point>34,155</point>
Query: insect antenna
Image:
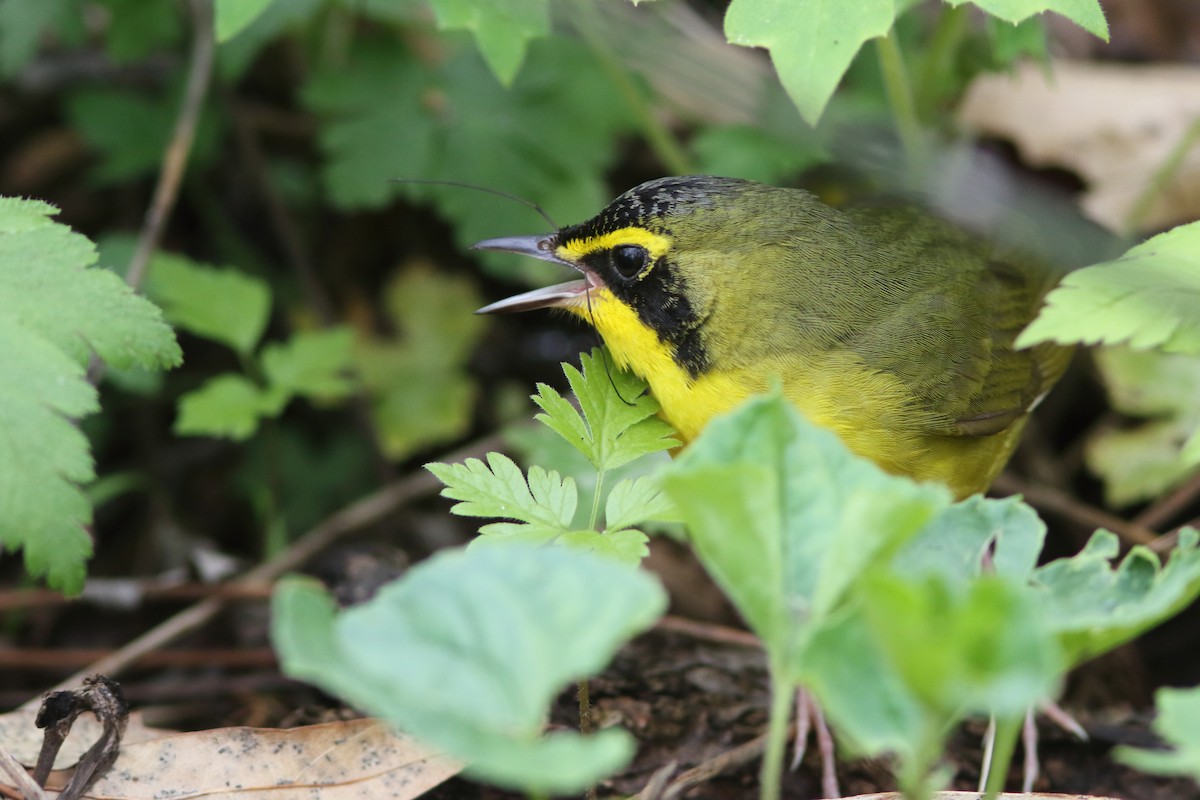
<point>487,189</point>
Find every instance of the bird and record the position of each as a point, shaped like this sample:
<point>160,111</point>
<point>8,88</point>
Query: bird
<point>889,326</point>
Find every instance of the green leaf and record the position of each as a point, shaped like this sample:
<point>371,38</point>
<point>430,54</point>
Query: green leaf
<point>130,130</point>
<point>487,638</point>
<point>24,25</point>
<point>1093,607</point>
<point>450,119</point>
<point>1147,298</point>
<point>502,28</point>
<point>985,649</point>
<point>1178,723</point>
<point>499,489</point>
<point>55,312</point>
<point>231,17</point>
<point>953,544</point>
<point>421,393</point>
<point>1087,14</point>
<point>785,518</point>
<point>236,54</point>
<point>752,152</point>
<point>136,29</point>
<point>312,363</point>
<point>1148,459</point>
<point>627,546</point>
<point>224,305</point>
<point>616,423</point>
<point>634,501</point>
<point>228,406</point>
<point>811,42</point>
<point>861,693</point>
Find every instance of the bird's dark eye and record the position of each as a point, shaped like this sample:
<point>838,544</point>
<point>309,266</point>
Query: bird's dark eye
<point>629,259</point>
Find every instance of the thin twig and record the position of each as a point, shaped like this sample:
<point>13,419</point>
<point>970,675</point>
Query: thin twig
<point>1060,502</point>
<point>364,512</point>
<point>59,658</point>
<point>180,147</point>
<point>1164,509</point>
<point>709,632</point>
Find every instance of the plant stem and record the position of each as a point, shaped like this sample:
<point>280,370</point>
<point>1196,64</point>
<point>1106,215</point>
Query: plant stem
<point>938,58</point>
<point>666,148</point>
<point>1007,731</point>
<point>594,517</point>
<point>777,728</point>
<point>900,98</point>
<point>1162,176</point>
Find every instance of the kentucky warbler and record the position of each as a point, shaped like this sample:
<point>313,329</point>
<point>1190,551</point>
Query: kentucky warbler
<point>889,327</point>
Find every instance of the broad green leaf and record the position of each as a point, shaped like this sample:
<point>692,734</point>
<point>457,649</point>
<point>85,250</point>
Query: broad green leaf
<point>55,312</point>
<point>221,304</point>
<point>615,423</point>
<point>1144,461</point>
<point>421,393</point>
<point>1178,723</point>
<point>237,53</point>
<point>231,17</point>
<point>785,518</point>
<point>1147,298</point>
<point>450,119</point>
<point>953,544</point>
<point>811,42</point>
<point>861,694</point>
<point>1087,14</point>
<point>499,489</point>
<point>228,406</point>
<point>315,364</point>
<point>136,29</point>
<point>1093,607</point>
<point>467,651</point>
<point>502,28</point>
<point>637,500</point>
<point>988,649</point>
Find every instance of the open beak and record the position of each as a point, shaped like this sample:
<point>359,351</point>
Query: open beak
<point>540,247</point>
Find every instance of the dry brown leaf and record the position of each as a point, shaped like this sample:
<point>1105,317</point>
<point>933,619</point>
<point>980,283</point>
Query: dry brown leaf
<point>24,739</point>
<point>1115,125</point>
<point>333,761</point>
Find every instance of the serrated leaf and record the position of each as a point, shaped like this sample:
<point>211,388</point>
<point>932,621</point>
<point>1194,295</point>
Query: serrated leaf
<point>421,393</point>
<point>1093,607</point>
<point>481,656</point>
<point>222,304</point>
<point>502,28</point>
<point>1087,14</point>
<point>1144,461</point>
<point>231,17</point>
<point>450,119</point>
<point>785,518</point>
<point>1178,723</point>
<point>130,130</point>
<point>627,546</point>
<point>615,422</point>
<point>499,489</point>
<point>315,364</point>
<point>634,501</point>
<point>55,312</point>
<point>1147,298</point>
<point>228,406</point>
<point>811,42</point>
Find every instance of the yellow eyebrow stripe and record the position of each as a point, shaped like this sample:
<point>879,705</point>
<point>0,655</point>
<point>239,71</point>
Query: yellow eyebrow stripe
<point>574,249</point>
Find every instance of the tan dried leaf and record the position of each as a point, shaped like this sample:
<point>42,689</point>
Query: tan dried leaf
<point>1115,125</point>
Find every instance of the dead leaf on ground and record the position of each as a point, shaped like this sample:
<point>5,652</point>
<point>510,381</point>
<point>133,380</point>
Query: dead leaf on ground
<point>1115,125</point>
<point>333,761</point>
<point>23,739</point>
